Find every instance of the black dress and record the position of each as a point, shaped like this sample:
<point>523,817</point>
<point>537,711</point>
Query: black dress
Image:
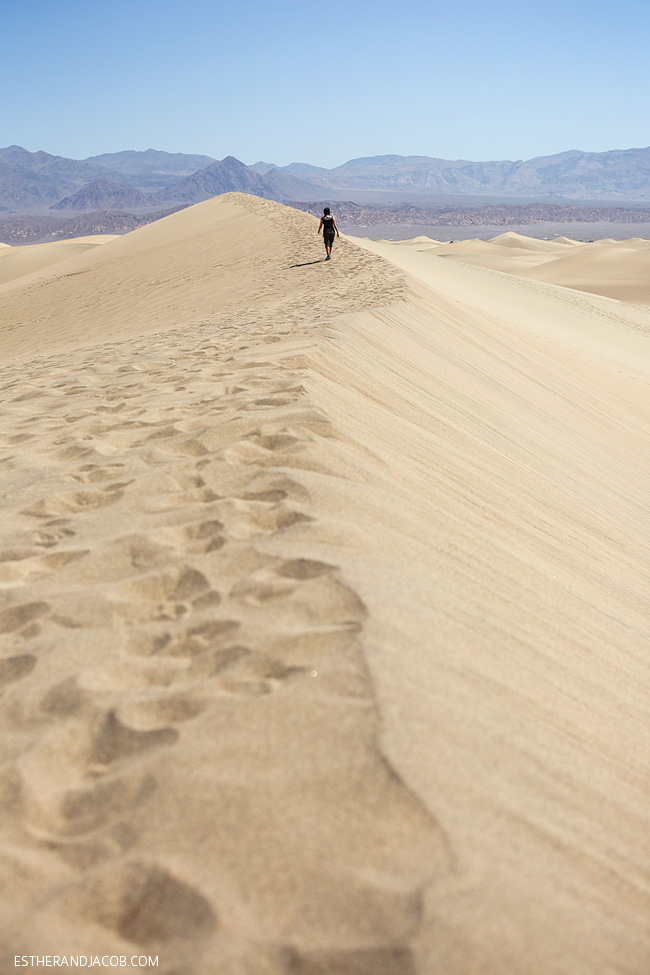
<point>328,230</point>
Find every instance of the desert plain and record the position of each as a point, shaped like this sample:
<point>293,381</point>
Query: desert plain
<point>325,624</point>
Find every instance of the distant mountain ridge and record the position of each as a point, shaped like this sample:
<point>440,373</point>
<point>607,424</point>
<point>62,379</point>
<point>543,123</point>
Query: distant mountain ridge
<point>151,161</point>
<point>104,194</point>
<point>621,174</point>
<point>228,175</point>
<point>34,182</point>
<point>141,180</point>
<point>614,175</point>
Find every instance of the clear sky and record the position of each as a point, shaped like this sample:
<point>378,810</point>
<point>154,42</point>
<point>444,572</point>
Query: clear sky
<point>326,82</point>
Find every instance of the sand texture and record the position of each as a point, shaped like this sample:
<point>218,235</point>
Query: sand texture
<point>613,268</point>
<point>324,604</point>
<point>19,261</point>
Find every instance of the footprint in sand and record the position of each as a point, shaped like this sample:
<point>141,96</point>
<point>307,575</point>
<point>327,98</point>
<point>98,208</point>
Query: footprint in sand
<point>303,590</point>
<point>246,519</point>
<point>270,497</point>
<point>14,668</point>
<point>163,711</point>
<point>144,904</point>
<point>71,782</point>
<point>275,400</point>
<point>131,674</point>
<point>203,536</point>
<point>57,560</point>
<point>75,812</point>
<point>181,583</point>
<point>19,438</point>
<point>34,564</point>
<point>52,533</point>
<point>276,441</point>
<point>257,673</point>
<point>114,740</point>
<point>16,617</point>
<point>264,586</point>
<point>304,569</point>
<point>124,557</point>
<point>360,961</point>
<point>188,642</point>
<point>272,488</point>
<point>259,448</point>
<point>76,502</point>
<point>162,596</point>
<point>90,473</point>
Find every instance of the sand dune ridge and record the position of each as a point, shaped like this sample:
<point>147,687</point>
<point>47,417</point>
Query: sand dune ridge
<point>324,607</point>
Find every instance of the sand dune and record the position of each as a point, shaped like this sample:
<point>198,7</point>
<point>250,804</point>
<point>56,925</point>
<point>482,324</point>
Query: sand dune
<point>324,598</point>
<point>18,261</point>
<point>219,264</point>
<point>614,269</point>
<point>620,271</point>
<point>416,242</point>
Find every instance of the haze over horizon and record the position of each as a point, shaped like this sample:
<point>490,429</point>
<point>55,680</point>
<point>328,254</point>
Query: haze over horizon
<point>284,84</point>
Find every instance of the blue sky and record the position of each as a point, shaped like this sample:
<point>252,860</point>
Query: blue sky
<point>323,83</point>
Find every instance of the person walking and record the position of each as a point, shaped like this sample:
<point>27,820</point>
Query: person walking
<point>328,225</point>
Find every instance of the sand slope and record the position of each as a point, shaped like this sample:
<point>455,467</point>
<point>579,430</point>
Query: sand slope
<point>614,269</point>
<point>19,261</point>
<point>218,263</point>
<point>325,609</point>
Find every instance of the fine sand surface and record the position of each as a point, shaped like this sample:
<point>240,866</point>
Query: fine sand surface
<point>614,268</point>
<point>18,261</point>
<point>324,606</point>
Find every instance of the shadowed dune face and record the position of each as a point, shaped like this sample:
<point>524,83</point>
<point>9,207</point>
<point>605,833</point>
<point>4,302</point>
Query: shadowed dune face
<point>323,600</point>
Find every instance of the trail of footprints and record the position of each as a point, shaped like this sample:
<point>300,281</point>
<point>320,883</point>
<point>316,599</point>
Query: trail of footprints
<point>146,633</point>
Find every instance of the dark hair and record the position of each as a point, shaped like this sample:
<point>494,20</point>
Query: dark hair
<point>326,211</point>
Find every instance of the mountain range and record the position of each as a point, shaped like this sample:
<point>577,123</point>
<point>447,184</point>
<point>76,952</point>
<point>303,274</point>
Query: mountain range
<point>151,180</point>
<point>574,175</point>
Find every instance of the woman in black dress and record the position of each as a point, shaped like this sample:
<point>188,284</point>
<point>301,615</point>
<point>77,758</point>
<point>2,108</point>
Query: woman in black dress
<point>328,223</point>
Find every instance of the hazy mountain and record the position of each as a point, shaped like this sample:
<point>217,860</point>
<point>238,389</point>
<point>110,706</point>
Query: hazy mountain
<point>104,194</point>
<point>302,170</point>
<point>152,161</point>
<point>263,167</point>
<point>22,189</point>
<point>418,173</point>
<point>230,175</point>
<point>619,174</point>
<point>573,175</point>
<point>36,181</point>
<point>56,167</point>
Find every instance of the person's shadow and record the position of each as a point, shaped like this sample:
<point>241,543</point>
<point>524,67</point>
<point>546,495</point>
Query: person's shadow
<point>307,263</point>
